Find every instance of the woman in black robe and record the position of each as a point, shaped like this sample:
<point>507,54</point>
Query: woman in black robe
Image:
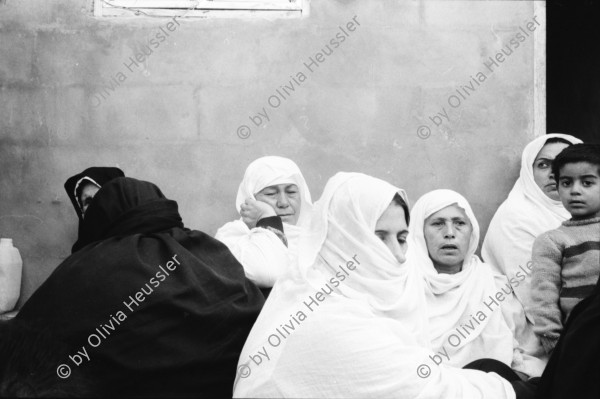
<point>148,307</point>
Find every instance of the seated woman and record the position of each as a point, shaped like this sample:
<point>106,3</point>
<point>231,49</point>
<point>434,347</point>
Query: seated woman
<point>348,320</point>
<point>149,307</point>
<point>274,201</point>
<point>470,308</point>
<point>532,208</point>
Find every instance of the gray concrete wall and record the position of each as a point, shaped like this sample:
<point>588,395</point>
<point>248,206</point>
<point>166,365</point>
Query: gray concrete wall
<point>173,119</point>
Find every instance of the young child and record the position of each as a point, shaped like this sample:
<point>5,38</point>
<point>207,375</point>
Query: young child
<point>566,261</point>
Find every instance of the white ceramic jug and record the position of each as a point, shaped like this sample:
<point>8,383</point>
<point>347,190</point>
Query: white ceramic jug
<point>11,267</point>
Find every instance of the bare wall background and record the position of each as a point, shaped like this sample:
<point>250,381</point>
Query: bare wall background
<point>173,119</point>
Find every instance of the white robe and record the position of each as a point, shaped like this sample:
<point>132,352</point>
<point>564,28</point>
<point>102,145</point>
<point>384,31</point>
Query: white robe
<point>365,336</point>
<point>262,254</point>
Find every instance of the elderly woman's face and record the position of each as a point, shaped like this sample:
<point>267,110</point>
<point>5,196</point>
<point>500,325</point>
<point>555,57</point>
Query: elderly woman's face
<point>392,229</point>
<point>447,235</point>
<point>284,199</point>
<point>542,169</point>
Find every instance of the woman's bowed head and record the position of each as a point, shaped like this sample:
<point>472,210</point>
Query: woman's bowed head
<point>273,186</point>
<point>392,227</point>
<point>274,202</point>
<point>82,187</point>
<point>281,200</point>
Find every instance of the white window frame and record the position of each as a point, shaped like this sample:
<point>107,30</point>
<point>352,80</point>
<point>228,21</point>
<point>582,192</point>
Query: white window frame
<point>202,8</point>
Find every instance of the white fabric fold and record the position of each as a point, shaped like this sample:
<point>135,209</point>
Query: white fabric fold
<point>365,337</point>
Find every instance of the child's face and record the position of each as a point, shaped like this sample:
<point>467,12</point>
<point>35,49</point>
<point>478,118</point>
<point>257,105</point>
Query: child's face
<point>579,189</point>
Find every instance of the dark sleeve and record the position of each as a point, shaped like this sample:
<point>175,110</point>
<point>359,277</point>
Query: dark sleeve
<point>525,389</point>
<point>271,221</point>
<point>275,225</point>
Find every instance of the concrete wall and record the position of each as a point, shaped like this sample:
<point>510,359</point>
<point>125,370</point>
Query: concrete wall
<point>173,119</point>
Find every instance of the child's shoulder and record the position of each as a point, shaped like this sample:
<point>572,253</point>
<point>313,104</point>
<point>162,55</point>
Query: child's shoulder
<point>557,237</point>
<point>558,233</point>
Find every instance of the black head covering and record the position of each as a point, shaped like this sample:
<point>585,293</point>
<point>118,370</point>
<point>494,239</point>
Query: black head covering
<point>127,206</point>
<point>184,336</point>
<point>95,175</point>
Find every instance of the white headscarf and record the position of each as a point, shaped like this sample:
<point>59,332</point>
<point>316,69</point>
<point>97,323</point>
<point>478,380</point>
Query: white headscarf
<point>270,171</point>
<point>526,213</point>
<point>454,300</point>
<point>350,208</point>
<point>260,251</point>
<point>366,337</point>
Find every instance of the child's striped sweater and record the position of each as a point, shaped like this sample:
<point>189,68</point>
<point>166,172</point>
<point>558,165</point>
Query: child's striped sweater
<point>566,266</point>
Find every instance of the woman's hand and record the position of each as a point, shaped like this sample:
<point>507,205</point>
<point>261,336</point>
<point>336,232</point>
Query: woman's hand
<point>252,211</point>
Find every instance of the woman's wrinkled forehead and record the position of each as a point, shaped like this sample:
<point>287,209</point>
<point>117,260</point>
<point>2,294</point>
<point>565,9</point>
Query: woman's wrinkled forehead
<point>276,182</point>
<point>433,212</point>
<point>436,200</point>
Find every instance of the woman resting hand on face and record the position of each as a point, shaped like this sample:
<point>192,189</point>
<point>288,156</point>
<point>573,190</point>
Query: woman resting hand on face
<point>273,200</point>
<point>349,319</point>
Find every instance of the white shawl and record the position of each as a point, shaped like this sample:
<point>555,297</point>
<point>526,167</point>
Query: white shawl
<point>365,338</point>
<point>465,318</point>
<point>526,213</point>
<point>261,253</point>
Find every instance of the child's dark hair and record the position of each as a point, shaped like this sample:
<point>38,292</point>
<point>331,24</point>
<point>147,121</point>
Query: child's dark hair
<point>589,153</point>
<point>400,202</point>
